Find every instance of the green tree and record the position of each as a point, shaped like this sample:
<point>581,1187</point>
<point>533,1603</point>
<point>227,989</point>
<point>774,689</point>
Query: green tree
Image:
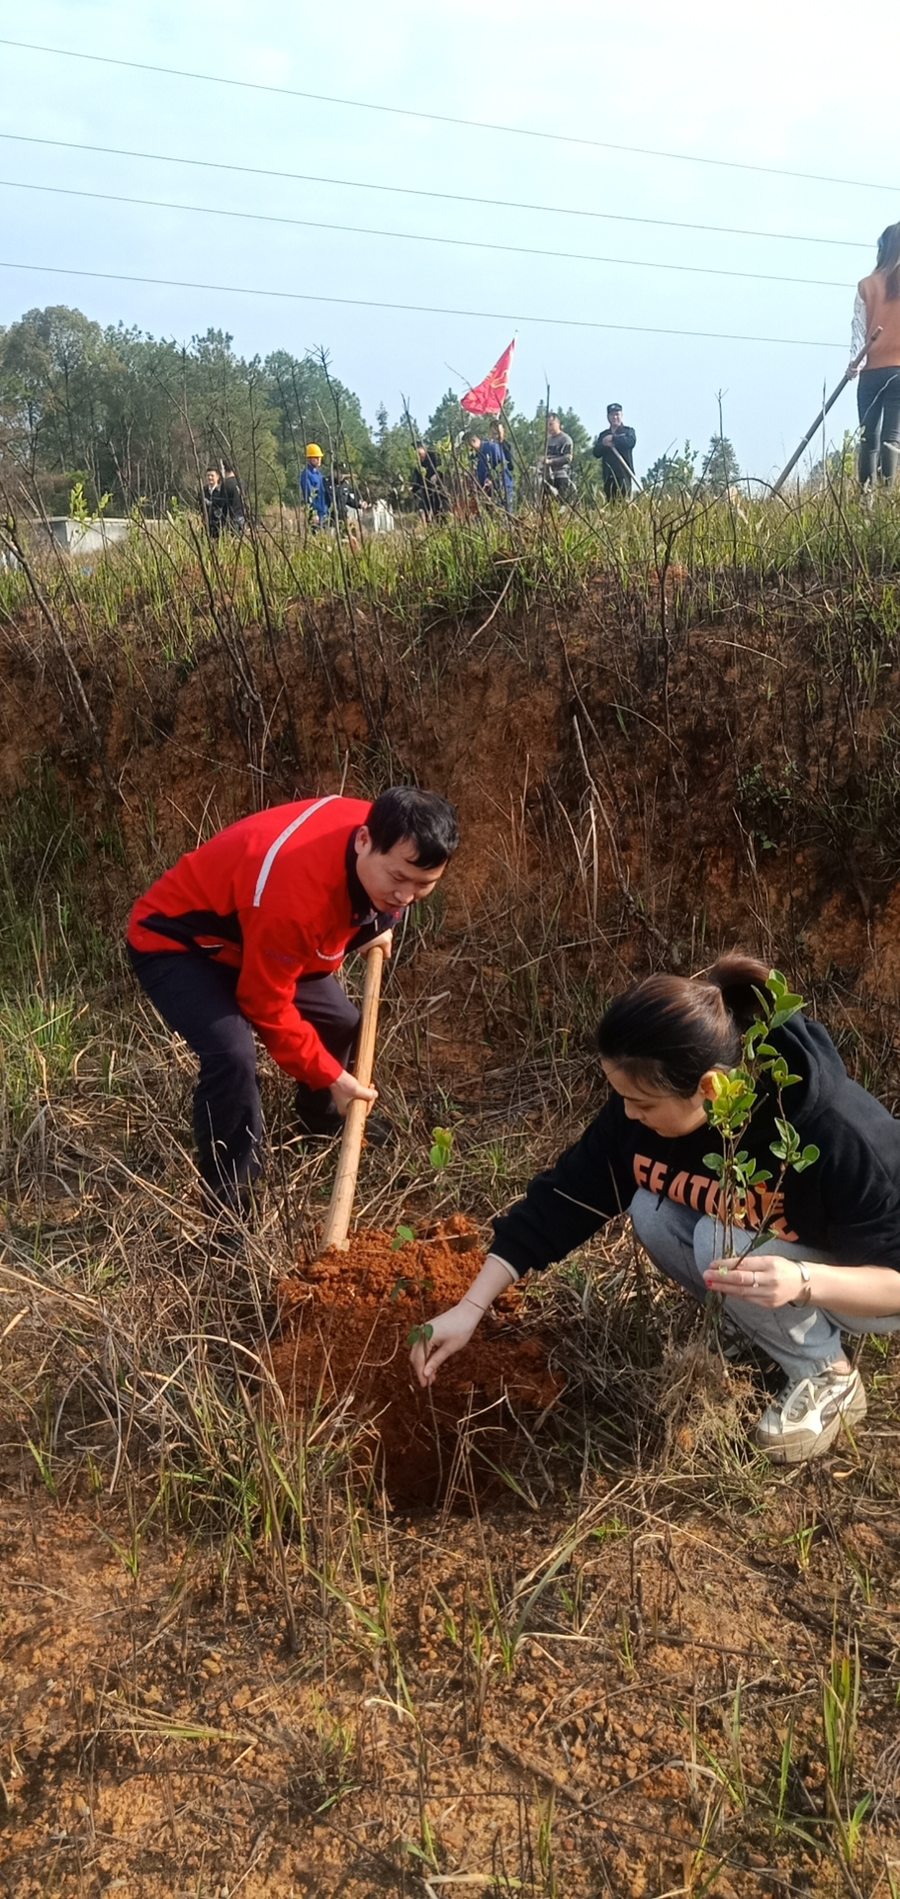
<point>721,469</point>
<point>671,474</point>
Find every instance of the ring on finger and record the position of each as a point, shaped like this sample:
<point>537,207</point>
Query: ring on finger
<point>755,1282</point>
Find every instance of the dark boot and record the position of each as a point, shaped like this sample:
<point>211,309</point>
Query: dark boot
<point>319,1120</point>
<point>868,465</point>
<point>890,458</point>
<point>317,1116</point>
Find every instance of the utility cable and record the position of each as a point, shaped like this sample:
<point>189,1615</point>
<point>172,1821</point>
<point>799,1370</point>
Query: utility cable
<point>445,118</point>
<point>418,191</point>
<point>422,237</point>
<point>418,309</point>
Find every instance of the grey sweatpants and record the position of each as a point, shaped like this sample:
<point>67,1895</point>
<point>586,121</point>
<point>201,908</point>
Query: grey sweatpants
<point>804,1340</point>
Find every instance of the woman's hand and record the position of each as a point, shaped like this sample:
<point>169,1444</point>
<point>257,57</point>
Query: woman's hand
<point>763,1279</point>
<point>347,1089</point>
<point>449,1333</point>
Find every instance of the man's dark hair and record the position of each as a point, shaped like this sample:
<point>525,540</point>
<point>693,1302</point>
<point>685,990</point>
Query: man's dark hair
<point>553,416</point>
<point>424,817</point>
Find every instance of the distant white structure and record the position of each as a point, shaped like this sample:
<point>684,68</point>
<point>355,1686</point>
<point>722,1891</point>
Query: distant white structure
<point>378,519</point>
<point>88,537</point>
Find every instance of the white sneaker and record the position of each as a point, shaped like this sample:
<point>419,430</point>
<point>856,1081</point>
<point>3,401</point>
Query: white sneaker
<point>808,1416</point>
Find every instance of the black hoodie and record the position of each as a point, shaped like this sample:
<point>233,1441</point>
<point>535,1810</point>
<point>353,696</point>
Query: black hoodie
<point>847,1204</point>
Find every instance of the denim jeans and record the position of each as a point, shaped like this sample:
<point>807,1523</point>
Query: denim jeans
<point>803,1340</point>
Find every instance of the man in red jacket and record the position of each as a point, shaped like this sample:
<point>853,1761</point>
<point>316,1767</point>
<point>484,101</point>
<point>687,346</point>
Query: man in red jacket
<point>247,933</point>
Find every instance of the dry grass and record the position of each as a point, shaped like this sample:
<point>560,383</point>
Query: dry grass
<point>647,1665</point>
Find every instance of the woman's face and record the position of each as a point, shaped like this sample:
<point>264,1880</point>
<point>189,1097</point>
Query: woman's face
<point>667,1114</point>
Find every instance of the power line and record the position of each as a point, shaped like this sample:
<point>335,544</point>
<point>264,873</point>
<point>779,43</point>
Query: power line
<point>418,191</point>
<point>417,237</point>
<point>445,118</point>
<point>418,309</point>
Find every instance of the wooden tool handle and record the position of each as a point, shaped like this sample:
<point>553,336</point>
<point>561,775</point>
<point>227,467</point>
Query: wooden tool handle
<point>341,1207</point>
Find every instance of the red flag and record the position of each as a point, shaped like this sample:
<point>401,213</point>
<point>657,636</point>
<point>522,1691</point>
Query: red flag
<point>489,397</point>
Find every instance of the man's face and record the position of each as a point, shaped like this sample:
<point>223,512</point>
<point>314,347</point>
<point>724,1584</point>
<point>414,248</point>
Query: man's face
<point>614,417</point>
<point>212,478</point>
<point>554,425</point>
<point>392,878</point>
<point>314,461</point>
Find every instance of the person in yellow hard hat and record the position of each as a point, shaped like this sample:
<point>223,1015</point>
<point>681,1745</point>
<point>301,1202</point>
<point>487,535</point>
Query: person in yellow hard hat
<point>312,488</point>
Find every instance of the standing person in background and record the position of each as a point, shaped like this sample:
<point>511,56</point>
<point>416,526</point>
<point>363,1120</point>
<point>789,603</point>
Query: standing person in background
<point>427,483</point>
<point>614,448</point>
<point>312,488</point>
<point>558,460</point>
<point>234,497</point>
<point>878,392</point>
<point>215,503</point>
<point>494,468</point>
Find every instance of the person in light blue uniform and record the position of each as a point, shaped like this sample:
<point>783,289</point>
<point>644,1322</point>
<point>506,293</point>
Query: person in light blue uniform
<point>312,488</point>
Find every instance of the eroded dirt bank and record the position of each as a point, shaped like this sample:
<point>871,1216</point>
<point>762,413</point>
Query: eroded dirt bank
<point>629,798</point>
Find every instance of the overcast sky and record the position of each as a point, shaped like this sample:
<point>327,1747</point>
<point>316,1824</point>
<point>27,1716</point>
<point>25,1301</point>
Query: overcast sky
<point>777,84</point>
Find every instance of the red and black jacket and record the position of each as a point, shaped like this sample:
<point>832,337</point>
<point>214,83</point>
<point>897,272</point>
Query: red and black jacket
<point>276,896</point>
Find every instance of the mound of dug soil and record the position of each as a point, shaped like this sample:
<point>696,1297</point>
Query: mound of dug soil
<point>346,1320</point>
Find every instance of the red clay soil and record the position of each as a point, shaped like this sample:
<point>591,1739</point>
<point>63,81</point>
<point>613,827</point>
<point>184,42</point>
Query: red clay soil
<point>346,1320</point>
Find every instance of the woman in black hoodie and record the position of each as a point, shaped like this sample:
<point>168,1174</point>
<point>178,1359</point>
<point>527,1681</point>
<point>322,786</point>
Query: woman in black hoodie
<point>829,1258</point>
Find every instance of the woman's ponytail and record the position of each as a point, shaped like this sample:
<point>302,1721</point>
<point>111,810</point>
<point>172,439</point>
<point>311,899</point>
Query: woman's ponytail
<point>738,977</point>
<point>668,1031</point>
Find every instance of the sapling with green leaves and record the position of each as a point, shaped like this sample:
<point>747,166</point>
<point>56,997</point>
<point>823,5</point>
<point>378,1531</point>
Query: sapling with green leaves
<point>732,1107</point>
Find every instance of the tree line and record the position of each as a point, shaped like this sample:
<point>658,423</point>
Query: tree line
<point>139,418</point>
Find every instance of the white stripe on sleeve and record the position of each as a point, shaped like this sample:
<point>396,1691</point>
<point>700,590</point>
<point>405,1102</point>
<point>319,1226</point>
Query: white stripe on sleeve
<point>274,849</point>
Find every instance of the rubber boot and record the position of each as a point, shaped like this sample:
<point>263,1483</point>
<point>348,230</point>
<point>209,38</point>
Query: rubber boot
<point>868,465</point>
<point>890,460</point>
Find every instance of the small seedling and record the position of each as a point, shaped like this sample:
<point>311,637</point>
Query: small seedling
<point>441,1149</point>
<point>403,1236</point>
<point>420,1335</point>
<point>732,1108</point>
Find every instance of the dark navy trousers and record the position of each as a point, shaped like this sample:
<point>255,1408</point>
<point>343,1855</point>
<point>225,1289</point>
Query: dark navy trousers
<point>878,401</point>
<point>196,997</point>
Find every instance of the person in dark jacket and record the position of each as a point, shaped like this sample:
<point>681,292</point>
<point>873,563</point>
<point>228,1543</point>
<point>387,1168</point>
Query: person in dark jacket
<point>215,504</point>
<point>821,1251</point>
<point>429,493</point>
<point>494,468</point>
<point>234,496</point>
<point>615,449</point>
<point>244,937</point>
<point>342,500</point>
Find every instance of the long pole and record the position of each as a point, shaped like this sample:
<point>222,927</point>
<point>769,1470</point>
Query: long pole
<point>337,1223</point>
<point>848,373</point>
<point>623,464</point>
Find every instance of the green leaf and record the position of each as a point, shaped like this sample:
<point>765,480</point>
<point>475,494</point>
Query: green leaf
<point>808,1157</point>
<point>715,1163</point>
<point>420,1334</point>
<point>403,1237</point>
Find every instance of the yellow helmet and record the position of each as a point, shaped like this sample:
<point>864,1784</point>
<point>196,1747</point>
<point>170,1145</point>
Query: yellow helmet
<point>312,448</point>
